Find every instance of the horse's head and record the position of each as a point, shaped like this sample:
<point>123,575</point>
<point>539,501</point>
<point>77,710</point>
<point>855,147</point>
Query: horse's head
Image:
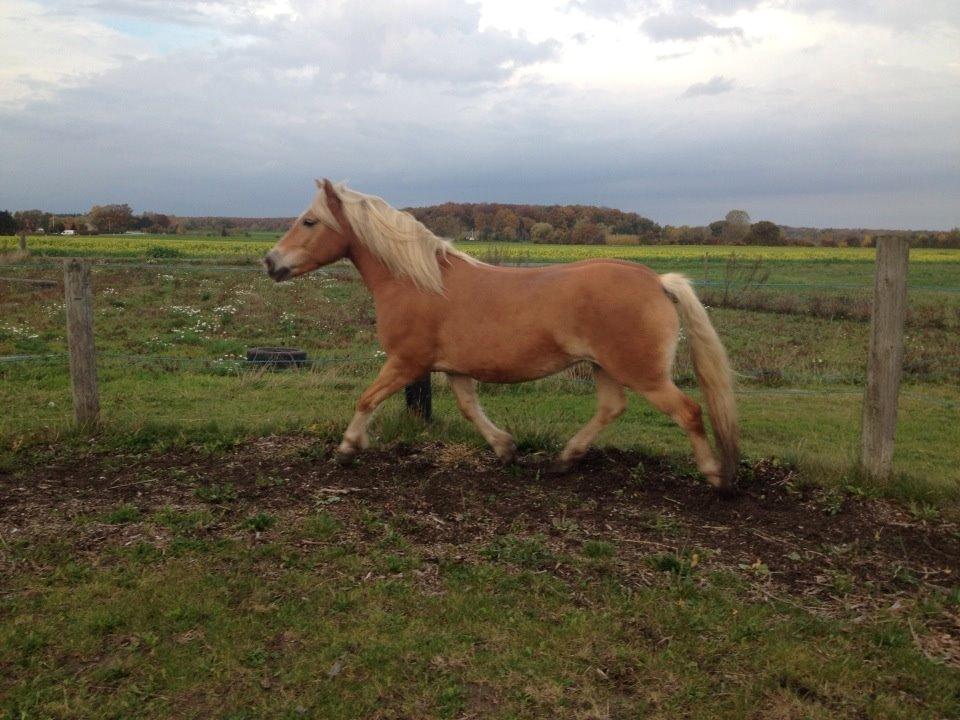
<point>316,238</point>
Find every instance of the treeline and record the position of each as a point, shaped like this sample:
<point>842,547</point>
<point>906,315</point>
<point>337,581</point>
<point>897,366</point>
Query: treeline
<point>572,224</point>
<point>120,218</point>
<point>590,225</point>
<point>557,224</point>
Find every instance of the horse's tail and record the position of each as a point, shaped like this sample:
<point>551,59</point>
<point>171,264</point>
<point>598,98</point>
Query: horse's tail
<point>713,372</point>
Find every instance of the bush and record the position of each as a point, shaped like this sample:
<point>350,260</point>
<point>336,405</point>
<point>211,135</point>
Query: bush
<point>160,252</point>
<point>541,232</point>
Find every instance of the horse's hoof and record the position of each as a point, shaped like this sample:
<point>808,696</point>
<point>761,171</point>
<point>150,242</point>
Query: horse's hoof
<point>507,455</point>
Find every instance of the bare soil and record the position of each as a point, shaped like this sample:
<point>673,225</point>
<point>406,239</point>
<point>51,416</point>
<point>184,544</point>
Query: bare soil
<point>450,500</point>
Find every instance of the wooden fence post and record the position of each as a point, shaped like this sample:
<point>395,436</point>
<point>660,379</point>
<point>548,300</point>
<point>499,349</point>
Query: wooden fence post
<point>23,242</point>
<point>78,296</point>
<point>419,400</point>
<point>885,358</point>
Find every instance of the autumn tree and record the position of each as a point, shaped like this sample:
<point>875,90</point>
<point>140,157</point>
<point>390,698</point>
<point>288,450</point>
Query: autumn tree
<point>736,226</point>
<point>765,233</point>
<point>542,233</point>
<point>505,223</point>
<point>30,220</point>
<point>444,225</point>
<point>588,233</point>
<point>111,218</point>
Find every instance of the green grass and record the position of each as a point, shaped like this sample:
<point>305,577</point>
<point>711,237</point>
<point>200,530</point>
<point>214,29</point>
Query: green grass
<point>289,625</point>
<point>215,606</point>
<point>171,346</point>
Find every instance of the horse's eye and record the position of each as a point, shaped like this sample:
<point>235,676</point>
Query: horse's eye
<point>309,222</point>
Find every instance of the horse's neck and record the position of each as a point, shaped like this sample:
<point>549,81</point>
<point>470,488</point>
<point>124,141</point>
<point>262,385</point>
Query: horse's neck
<point>375,274</point>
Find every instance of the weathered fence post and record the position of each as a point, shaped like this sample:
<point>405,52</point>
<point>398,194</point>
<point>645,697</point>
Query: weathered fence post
<point>419,400</point>
<point>78,297</point>
<point>23,242</point>
<point>885,358</point>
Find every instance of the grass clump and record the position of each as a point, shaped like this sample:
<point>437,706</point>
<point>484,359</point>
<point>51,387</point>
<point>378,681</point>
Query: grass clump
<point>530,552</point>
<point>259,522</point>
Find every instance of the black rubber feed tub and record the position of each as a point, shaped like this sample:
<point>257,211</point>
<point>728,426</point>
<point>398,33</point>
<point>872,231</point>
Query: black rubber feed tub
<point>276,357</point>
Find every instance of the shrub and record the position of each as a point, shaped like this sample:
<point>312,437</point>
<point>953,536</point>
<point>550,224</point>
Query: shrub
<point>158,251</point>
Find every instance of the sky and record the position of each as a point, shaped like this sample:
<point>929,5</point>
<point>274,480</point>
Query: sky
<point>804,112</point>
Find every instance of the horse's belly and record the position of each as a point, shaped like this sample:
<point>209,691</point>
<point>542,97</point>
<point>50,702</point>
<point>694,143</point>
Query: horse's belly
<point>508,359</point>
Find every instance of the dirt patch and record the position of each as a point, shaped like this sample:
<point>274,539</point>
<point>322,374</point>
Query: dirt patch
<point>453,500</point>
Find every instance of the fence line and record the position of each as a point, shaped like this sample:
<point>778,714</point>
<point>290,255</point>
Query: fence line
<point>884,367</point>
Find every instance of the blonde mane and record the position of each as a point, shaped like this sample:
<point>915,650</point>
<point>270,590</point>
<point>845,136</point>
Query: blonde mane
<point>398,239</point>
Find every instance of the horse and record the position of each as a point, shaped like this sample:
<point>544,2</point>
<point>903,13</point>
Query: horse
<point>439,309</point>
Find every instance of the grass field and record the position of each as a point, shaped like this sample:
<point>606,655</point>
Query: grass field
<point>184,329</point>
<point>261,581</point>
<point>201,555</point>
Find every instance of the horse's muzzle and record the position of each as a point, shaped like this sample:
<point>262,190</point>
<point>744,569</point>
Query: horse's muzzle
<point>275,271</point>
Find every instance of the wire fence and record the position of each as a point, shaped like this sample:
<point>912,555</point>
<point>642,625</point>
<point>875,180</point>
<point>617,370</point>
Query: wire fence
<point>752,379</point>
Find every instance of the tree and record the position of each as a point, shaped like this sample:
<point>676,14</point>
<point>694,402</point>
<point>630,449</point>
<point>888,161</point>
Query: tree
<point>541,233</point>
<point>444,225</point>
<point>111,218</point>
<point>716,228</point>
<point>765,233</point>
<point>30,220</point>
<point>738,217</point>
<point>505,223</point>
<point>736,226</point>
<point>8,226</point>
<point>588,233</point>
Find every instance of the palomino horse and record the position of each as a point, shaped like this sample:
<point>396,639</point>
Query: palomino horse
<point>439,309</point>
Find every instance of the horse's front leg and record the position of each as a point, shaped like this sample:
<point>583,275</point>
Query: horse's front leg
<point>392,377</point>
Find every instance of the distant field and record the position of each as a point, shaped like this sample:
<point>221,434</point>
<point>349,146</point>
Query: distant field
<point>840,268</point>
<point>207,246</point>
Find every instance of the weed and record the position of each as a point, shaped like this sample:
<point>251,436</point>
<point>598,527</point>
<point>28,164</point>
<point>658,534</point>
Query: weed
<point>680,564</point>
<point>598,550</point>
<point>321,526</point>
<point>122,514</point>
<point>216,493</point>
<point>565,525</point>
<point>662,522</point>
<point>259,522</point>
<point>530,552</point>
<point>922,511</point>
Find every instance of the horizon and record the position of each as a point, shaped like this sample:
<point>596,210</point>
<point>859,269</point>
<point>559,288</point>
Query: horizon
<point>804,112</point>
<point>137,212</point>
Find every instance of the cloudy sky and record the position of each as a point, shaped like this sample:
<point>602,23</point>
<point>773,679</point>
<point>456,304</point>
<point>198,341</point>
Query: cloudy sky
<point>806,112</point>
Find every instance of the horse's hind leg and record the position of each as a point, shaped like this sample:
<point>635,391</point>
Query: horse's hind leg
<point>611,402</point>
<point>465,390</point>
<point>668,398</point>
<point>392,377</point>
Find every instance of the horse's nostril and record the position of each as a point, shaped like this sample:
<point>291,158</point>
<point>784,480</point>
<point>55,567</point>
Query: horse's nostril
<point>268,264</point>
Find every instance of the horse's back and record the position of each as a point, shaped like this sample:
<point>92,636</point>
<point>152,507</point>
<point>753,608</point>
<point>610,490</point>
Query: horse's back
<point>509,324</point>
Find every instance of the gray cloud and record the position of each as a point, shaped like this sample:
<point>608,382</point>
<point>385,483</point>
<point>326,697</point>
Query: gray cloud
<point>243,128</point>
<point>716,85</point>
<point>684,27</point>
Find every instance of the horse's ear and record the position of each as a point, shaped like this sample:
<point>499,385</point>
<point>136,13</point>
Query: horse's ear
<point>319,183</point>
<point>333,200</point>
